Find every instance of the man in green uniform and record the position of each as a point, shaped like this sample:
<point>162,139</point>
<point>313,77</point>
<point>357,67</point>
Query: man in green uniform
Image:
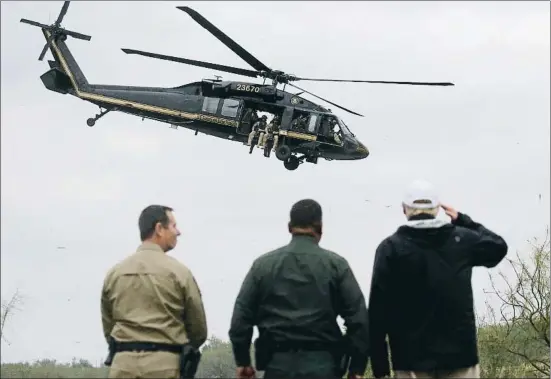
<point>151,305</point>
<point>293,295</point>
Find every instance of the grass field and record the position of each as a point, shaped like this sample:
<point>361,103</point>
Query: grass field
<point>218,362</point>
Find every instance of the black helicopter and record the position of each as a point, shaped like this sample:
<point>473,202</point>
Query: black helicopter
<point>305,131</point>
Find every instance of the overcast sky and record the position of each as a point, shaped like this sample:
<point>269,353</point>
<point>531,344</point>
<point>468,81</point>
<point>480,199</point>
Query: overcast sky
<point>484,143</point>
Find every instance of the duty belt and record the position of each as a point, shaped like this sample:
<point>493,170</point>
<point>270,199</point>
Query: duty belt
<point>290,346</point>
<point>147,346</point>
<point>189,356</point>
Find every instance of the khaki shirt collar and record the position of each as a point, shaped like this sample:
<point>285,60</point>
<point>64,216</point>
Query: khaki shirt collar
<point>150,246</point>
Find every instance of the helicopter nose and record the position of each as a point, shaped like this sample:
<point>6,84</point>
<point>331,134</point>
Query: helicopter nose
<point>362,151</point>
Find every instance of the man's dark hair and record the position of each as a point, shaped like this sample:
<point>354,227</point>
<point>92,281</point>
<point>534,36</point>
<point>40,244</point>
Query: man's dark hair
<point>305,213</point>
<point>149,217</point>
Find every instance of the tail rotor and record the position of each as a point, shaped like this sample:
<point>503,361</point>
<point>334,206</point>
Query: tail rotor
<point>56,30</point>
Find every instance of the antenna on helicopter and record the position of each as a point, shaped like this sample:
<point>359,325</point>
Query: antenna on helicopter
<point>56,30</point>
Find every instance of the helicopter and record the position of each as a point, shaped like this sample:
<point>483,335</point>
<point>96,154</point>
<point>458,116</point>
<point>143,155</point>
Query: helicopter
<point>304,130</point>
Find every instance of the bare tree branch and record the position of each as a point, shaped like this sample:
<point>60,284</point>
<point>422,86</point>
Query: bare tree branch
<point>8,309</point>
<point>533,362</point>
<point>524,307</point>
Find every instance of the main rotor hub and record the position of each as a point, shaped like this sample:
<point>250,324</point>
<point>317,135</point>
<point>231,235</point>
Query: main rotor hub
<point>278,76</point>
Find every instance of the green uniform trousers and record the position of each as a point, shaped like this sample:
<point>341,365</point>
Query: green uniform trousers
<point>301,364</point>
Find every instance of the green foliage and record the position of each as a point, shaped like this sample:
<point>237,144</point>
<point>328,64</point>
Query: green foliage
<point>46,368</point>
<point>217,360</point>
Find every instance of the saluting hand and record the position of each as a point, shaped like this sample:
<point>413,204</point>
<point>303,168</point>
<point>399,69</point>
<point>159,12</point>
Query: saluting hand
<point>245,373</point>
<point>450,211</point>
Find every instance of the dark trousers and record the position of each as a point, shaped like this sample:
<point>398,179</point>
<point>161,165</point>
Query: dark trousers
<point>301,364</point>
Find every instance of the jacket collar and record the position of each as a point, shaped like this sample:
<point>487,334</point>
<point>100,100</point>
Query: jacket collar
<point>426,223</point>
<point>150,246</point>
<point>301,238</point>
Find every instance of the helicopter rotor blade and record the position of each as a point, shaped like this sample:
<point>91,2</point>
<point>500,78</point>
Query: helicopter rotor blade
<point>378,82</point>
<point>62,13</point>
<point>214,66</point>
<point>34,23</point>
<point>63,31</point>
<point>327,101</point>
<point>76,35</point>
<point>46,46</point>
<point>234,46</point>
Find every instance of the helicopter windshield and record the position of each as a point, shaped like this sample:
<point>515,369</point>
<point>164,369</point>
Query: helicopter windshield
<point>344,128</point>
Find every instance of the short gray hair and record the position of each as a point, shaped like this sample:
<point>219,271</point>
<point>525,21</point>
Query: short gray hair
<point>410,212</point>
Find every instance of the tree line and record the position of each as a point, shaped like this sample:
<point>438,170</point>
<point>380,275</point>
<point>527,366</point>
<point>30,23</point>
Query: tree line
<point>513,337</point>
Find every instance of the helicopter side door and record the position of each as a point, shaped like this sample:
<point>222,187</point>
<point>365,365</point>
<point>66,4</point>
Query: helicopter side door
<point>300,121</point>
<point>231,108</point>
<point>306,122</point>
<point>227,108</point>
<point>312,125</point>
<point>287,118</point>
<point>301,124</point>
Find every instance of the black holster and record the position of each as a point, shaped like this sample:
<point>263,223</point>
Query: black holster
<point>189,361</point>
<point>111,352</point>
<point>342,357</point>
<point>263,352</point>
<point>342,363</point>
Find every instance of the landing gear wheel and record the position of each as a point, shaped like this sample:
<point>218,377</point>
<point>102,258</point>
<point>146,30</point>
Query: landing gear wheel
<point>291,163</point>
<point>92,120</point>
<point>283,153</point>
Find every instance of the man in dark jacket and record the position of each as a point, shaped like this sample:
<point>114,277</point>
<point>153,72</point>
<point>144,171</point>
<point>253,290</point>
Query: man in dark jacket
<point>294,295</point>
<point>421,294</point>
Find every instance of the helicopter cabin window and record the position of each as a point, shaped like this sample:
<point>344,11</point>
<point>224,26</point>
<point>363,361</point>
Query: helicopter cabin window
<point>230,108</point>
<point>312,123</point>
<point>210,104</point>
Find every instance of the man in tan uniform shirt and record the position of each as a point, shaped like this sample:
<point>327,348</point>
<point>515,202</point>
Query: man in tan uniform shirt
<point>150,297</point>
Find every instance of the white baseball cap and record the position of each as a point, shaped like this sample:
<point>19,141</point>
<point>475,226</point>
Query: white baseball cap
<point>421,194</point>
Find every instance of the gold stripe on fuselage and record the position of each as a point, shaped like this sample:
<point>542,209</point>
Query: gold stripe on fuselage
<point>133,104</point>
<point>296,135</point>
<point>217,120</point>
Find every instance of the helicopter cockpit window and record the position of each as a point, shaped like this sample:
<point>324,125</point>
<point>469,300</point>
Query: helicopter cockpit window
<point>230,108</point>
<point>331,129</point>
<point>210,104</point>
<point>312,123</point>
<point>344,127</point>
<point>331,125</point>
